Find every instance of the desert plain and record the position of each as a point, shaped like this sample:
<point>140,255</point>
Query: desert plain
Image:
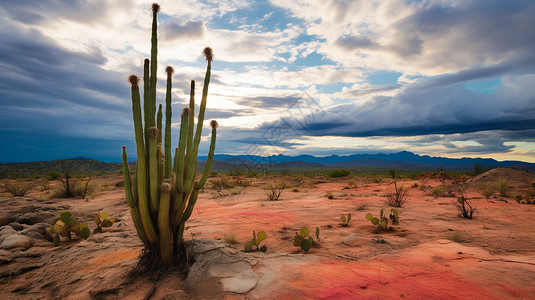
<point>431,253</point>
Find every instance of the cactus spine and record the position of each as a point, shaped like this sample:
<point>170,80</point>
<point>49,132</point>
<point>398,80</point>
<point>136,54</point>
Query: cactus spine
<point>164,191</point>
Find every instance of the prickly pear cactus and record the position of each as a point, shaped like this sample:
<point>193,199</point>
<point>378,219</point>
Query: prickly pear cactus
<point>102,220</point>
<point>65,226</point>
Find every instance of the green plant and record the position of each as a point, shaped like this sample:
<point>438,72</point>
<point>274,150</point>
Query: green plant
<point>338,173</point>
<point>382,221</point>
<point>304,240</point>
<point>102,220</point>
<point>230,238</point>
<point>66,225</point>
<point>464,208</point>
<point>164,191</point>
<point>439,191</point>
<point>502,187</point>
<point>256,242</point>
<point>329,195</point>
<point>519,198</point>
<point>18,189</point>
<point>487,190</point>
<point>345,219</point>
<point>351,184</point>
<point>51,175</point>
<point>73,187</point>
<point>274,191</point>
<point>529,197</point>
<point>399,195</point>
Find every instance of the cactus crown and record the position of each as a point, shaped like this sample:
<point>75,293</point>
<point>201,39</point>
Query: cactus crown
<point>208,54</point>
<point>185,111</point>
<point>153,132</point>
<point>213,124</point>
<point>169,70</point>
<point>155,8</point>
<point>134,80</point>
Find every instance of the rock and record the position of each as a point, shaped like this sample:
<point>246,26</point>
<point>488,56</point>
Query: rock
<point>16,241</point>
<point>240,283</point>
<point>6,219</point>
<point>355,240</point>
<point>31,218</point>
<point>16,226</point>
<point>6,231</point>
<point>4,259</point>
<point>38,228</point>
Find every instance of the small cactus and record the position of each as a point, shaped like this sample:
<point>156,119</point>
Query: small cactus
<point>102,220</point>
<point>345,219</point>
<point>304,241</point>
<point>65,226</point>
<point>382,221</point>
<point>256,242</point>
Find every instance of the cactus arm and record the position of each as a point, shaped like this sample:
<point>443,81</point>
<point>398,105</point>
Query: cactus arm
<point>191,125</point>
<point>141,177</point>
<point>146,96</point>
<point>127,180</point>
<point>153,170</point>
<point>182,143</point>
<point>191,204</point>
<point>168,116</point>
<point>163,222</point>
<point>210,158</point>
<point>159,124</point>
<point>154,56</point>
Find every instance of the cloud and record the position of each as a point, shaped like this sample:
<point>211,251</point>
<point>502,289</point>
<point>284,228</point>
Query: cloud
<point>171,30</point>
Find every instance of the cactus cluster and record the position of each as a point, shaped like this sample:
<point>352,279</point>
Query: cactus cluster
<point>256,242</point>
<point>164,191</point>
<point>382,221</point>
<point>304,240</point>
<point>65,226</point>
<point>102,220</point>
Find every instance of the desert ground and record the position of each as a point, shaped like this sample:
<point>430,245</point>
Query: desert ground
<point>432,253</point>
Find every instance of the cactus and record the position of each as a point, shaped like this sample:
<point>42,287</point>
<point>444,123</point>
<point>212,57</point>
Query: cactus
<point>256,242</point>
<point>345,219</point>
<point>65,226</point>
<point>382,221</point>
<point>304,241</point>
<point>164,190</point>
<point>102,220</point>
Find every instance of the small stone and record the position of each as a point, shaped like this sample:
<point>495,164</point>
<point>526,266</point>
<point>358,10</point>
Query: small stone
<point>16,226</point>
<point>16,241</point>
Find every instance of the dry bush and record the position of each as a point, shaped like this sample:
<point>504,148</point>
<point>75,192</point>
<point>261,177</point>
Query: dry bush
<point>274,190</point>
<point>398,196</point>
<point>18,189</point>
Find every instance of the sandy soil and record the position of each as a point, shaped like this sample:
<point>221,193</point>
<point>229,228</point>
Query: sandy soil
<point>432,253</point>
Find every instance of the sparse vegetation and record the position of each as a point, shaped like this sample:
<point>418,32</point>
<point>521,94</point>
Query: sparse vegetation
<point>329,195</point>
<point>399,195</point>
<point>345,219</point>
<point>464,208</point>
<point>487,190</point>
<point>439,191</point>
<point>19,188</point>
<point>255,242</point>
<point>338,173</point>
<point>382,221</point>
<point>231,239</point>
<point>304,240</point>
<point>72,187</point>
<point>102,220</point>
<point>274,191</point>
<point>502,187</point>
<point>65,226</point>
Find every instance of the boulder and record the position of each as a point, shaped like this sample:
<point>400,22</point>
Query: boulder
<point>16,226</point>
<point>31,218</point>
<point>5,232</point>
<point>6,219</point>
<point>16,241</point>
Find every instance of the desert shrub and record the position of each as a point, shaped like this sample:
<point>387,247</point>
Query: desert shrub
<point>220,185</point>
<point>231,239</point>
<point>359,206</point>
<point>18,189</point>
<point>486,190</point>
<point>73,187</point>
<point>398,196</point>
<point>351,184</point>
<point>464,208</point>
<point>237,172</point>
<point>502,187</point>
<point>519,198</point>
<point>338,173</point>
<point>274,191</point>
<point>251,173</point>
<point>439,191</point>
<point>329,195</point>
<point>51,175</point>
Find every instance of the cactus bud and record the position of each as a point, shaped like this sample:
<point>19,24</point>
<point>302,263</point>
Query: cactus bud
<point>134,80</point>
<point>213,124</point>
<point>169,70</point>
<point>185,111</point>
<point>155,8</point>
<point>208,54</point>
<point>153,132</point>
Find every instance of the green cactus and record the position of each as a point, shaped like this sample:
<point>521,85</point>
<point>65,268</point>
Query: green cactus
<point>256,242</point>
<point>102,220</point>
<point>345,219</point>
<point>164,190</point>
<point>65,226</point>
<point>304,241</point>
<point>382,221</point>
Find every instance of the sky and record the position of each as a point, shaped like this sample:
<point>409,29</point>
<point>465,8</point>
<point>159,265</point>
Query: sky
<point>451,78</point>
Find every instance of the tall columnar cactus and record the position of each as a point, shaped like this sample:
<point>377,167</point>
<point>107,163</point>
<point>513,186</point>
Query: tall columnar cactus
<point>164,190</point>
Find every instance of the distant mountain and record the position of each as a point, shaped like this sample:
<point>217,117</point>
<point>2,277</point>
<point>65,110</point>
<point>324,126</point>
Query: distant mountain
<point>76,166</point>
<point>400,160</point>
